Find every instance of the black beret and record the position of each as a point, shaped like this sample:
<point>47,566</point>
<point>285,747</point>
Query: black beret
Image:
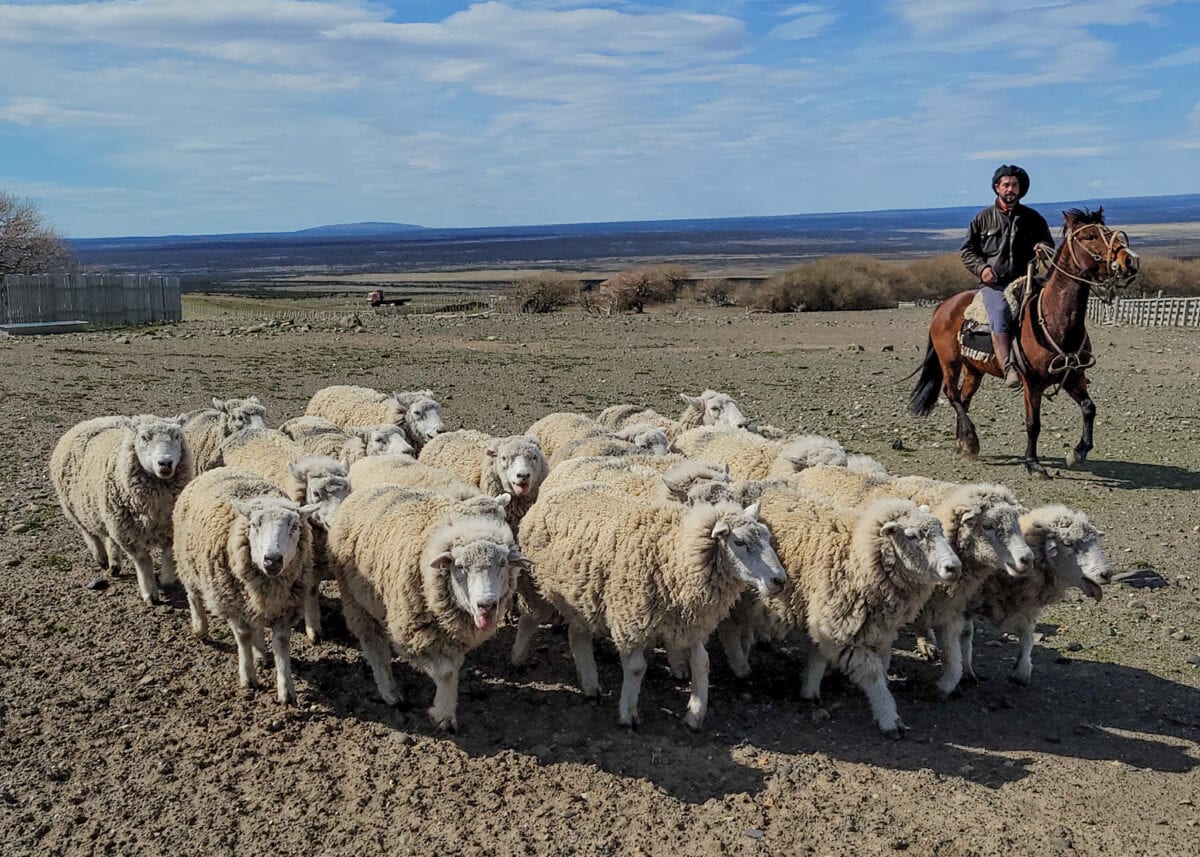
<point>1016,172</point>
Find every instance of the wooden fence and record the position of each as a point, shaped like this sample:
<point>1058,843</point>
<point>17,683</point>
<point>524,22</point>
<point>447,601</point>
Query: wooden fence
<point>1147,312</point>
<point>101,300</point>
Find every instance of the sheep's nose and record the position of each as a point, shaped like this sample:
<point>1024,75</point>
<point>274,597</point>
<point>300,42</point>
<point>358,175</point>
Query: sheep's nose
<point>485,604</point>
<point>273,562</point>
<point>1023,560</point>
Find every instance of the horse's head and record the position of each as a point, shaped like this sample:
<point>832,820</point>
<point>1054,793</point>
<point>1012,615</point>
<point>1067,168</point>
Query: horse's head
<point>1101,256</point>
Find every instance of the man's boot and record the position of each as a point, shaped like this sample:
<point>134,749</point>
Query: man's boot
<point>1002,342</point>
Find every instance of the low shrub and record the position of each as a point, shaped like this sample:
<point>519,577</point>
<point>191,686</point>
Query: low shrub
<point>829,283</point>
<point>544,292</point>
<point>637,288</point>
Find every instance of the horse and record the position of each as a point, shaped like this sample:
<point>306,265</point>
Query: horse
<point>1052,342</point>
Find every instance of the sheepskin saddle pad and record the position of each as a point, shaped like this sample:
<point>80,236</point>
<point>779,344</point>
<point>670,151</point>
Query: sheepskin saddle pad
<point>976,312</point>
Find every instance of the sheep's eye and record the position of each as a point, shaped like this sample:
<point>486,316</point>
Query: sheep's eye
<point>740,542</point>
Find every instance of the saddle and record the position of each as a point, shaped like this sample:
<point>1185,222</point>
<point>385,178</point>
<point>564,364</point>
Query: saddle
<point>975,335</point>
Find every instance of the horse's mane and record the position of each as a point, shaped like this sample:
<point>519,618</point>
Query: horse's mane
<point>1082,217</point>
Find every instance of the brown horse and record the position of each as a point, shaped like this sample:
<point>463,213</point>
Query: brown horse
<point>1052,338</point>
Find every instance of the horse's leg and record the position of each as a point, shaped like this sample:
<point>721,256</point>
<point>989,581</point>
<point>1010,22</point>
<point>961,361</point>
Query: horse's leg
<point>966,441</point>
<point>1076,387</point>
<point>966,428</point>
<point>1033,428</point>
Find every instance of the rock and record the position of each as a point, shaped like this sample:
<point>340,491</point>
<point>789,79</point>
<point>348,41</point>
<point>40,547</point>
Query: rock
<point>854,346</point>
<point>900,844</point>
<point>753,833</point>
<point>888,348</point>
<point>898,444</point>
<point>98,584</point>
<point>1074,647</point>
<point>13,561</point>
<point>123,340</point>
<point>403,739</point>
<point>1181,636</point>
<point>165,767</point>
<point>1141,578</point>
<point>1194,660</point>
<point>819,715</point>
<point>23,527</point>
<point>1061,842</point>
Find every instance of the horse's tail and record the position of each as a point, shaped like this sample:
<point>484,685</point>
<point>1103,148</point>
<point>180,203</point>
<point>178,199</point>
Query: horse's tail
<point>925,394</point>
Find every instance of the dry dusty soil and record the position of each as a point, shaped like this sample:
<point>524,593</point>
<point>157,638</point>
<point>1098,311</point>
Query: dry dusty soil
<point>121,734</point>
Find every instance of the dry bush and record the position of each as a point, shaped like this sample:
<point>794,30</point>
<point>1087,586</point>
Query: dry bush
<point>545,292</point>
<point>934,278</point>
<point>637,288</point>
<point>830,283</point>
<point>1174,277</point>
<point>717,292</point>
<point>28,245</point>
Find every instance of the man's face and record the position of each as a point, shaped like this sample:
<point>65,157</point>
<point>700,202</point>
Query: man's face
<point>1008,190</point>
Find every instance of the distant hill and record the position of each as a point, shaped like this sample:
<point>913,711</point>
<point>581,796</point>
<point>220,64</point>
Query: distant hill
<point>768,241</point>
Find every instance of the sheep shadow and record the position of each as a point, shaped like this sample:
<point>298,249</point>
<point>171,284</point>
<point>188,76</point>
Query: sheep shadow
<point>991,734</point>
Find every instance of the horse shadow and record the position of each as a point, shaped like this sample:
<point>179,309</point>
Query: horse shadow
<point>759,731</point>
<point>1111,474</point>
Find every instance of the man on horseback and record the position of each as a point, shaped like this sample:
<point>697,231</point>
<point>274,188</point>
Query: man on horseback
<point>1001,242</point>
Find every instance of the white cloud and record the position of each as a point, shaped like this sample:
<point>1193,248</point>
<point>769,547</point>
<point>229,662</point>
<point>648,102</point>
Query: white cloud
<point>809,20</point>
<point>40,111</point>
<point>1018,154</point>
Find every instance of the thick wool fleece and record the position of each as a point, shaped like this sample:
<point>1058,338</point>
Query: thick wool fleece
<point>347,406</point>
<point>382,543</point>
<point>636,570</point>
<point>318,436</point>
<point>556,430</point>
<point>212,552</point>
<point>408,472</point>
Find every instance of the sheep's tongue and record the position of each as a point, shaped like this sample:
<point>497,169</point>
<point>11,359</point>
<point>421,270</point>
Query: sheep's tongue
<point>519,489</point>
<point>484,620</point>
<point>1092,589</point>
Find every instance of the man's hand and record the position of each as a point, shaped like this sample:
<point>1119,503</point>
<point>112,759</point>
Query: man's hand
<point>988,276</point>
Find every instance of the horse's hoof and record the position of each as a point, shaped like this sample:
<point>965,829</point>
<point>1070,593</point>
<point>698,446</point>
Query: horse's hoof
<point>1076,458</point>
<point>1037,471</point>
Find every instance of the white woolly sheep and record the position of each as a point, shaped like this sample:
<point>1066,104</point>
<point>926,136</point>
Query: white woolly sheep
<point>410,473</point>
<point>305,479</point>
<point>595,447</point>
<point>981,522</point>
<point>854,578</point>
<point>206,429</point>
<point>710,408</point>
<point>497,465</point>
<point>645,436</point>
<point>244,554</point>
<point>641,571</point>
<point>318,436</point>
<point>347,406</point>
<point>1066,554</point>
<point>750,456</point>
<point>117,480</point>
<point>559,430</point>
<point>420,572</point>
<point>628,474</point>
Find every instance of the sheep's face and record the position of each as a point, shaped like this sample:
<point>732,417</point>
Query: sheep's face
<point>647,437</point>
<point>519,464</point>
<point>386,440</point>
<point>495,508</point>
<point>273,532</point>
<point>1072,550</point>
<point>325,493</point>
<point>424,419</point>
<point>914,544</point>
<point>745,547</point>
<point>719,409</point>
<point>710,491</point>
<point>990,535</point>
<point>813,451</point>
<point>158,444</point>
<point>480,574</point>
<point>248,415</point>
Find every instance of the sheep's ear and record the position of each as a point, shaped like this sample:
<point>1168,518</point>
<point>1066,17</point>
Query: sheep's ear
<point>241,508</point>
<point>181,419</point>
<point>720,530</point>
<point>694,401</point>
<point>1051,548</point>
<point>515,557</point>
<point>1100,534</point>
<point>253,400</point>
<point>502,500</point>
<point>294,470</point>
<point>924,507</point>
<point>490,450</point>
<point>442,561</point>
<point>973,512</point>
<point>752,511</point>
<point>307,511</point>
<point>889,528</point>
<point>218,404</point>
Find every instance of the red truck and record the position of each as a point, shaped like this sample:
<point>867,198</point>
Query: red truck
<point>376,300</point>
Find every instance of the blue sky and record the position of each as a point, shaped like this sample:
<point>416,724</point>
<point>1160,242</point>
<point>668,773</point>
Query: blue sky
<point>152,117</point>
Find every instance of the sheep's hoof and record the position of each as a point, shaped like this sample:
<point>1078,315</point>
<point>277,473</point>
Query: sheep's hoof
<point>693,723</point>
<point>896,733</point>
<point>969,679</point>
<point>314,635</point>
<point>443,724</point>
<point>1020,679</point>
<point>927,651</point>
<point>632,723</point>
<point>288,698</point>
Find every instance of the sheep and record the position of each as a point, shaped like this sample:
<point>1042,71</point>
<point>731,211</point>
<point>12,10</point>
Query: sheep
<point>593,447</point>
<point>560,429</point>
<point>407,471</point>
<point>305,479</point>
<point>641,571</point>
<point>645,436</point>
<point>244,554</point>
<point>424,573</point>
<point>628,474</point>
<point>117,480</point>
<point>1066,553</point>
<point>750,456</point>
<point>319,436</point>
<point>205,429</point>
<point>854,578</point>
<point>497,465</point>
<point>347,406</point>
<point>980,520</point>
<point>709,408</point>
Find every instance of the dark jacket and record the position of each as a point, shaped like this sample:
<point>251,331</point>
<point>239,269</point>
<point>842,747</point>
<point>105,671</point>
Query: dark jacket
<point>1004,241</point>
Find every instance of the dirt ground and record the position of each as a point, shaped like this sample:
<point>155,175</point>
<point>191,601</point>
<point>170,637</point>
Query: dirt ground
<point>121,734</point>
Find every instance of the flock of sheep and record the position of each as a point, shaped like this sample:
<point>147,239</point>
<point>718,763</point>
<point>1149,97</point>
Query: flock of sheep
<point>631,525</point>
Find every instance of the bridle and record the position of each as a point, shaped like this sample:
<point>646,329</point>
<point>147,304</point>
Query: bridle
<point>1115,240</point>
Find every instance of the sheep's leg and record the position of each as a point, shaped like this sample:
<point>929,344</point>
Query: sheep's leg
<point>885,658</point>
<point>281,639</point>
<point>968,649</point>
<point>951,633</point>
<point>444,672</point>
<point>312,608</point>
<point>747,642</point>
<point>633,664</point>
<point>167,574</point>
<point>1023,670</point>
<point>733,641</point>
<point>532,615</point>
<point>677,659</point>
<point>115,557</point>
<point>147,583</point>
<point>199,615</point>
<point>244,636</point>
<point>96,547</point>
<point>813,673</point>
<point>256,643</point>
<point>865,668</point>
<point>698,702</point>
<point>580,639</point>
<point>927,644</point>
<point>375,645</point>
